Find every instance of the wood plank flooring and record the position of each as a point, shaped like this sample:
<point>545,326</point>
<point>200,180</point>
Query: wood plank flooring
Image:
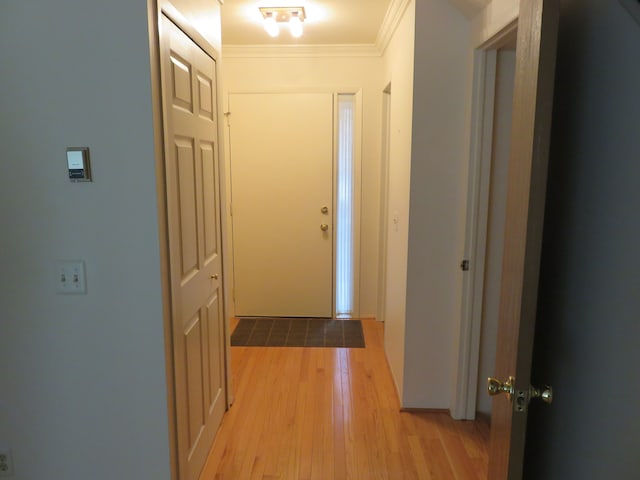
<point>333,414</point>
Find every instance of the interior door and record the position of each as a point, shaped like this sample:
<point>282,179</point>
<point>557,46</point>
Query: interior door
<point>526,189</point>
<point>191,169</point>
<point>282,203</point>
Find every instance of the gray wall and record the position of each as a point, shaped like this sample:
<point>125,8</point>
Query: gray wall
<point>587,343</point>
<point>437,202</point>
<point>83,390</point>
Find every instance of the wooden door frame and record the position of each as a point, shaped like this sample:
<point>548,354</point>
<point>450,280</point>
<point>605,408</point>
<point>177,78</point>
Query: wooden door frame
<point>480,156</point>
<point>334,90</point>
<point>155,10</point>
<point>384,202</point>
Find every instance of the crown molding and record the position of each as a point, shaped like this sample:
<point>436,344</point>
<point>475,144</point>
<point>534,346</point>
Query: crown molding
<point>390,23</point>
<point>387,29</point>
<point>299,51</point>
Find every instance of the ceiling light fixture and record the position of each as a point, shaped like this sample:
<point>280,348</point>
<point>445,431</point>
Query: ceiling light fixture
<point>271,26</point>
<point>293,16</point>
<point>295,25</point>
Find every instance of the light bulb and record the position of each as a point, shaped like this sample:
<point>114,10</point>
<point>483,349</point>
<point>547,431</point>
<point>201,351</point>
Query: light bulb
<point>295,25</point>
<point>271,26</point>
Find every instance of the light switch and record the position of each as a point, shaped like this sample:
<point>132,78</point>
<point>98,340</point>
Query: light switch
<point>70,277</point>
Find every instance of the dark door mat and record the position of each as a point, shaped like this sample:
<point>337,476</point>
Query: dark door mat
<point>298,332</point>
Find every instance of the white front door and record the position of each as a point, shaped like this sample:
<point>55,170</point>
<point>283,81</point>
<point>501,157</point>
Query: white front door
<point>193,221</point>
<point>282,203</point>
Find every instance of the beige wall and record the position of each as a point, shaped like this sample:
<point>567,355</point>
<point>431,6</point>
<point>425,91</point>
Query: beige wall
<point>430,125</point>
<point>438,201</point>
<point>398,62</point>
<point>330,74</point>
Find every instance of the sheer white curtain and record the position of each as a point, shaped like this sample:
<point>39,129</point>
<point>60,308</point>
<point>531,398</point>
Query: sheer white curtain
<point>345,206</point>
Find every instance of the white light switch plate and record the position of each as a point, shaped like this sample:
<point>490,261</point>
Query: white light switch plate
<point>6,463</point>
<point>70,277</point>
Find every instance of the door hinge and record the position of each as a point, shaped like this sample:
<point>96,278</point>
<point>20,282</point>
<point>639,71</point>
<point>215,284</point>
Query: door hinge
<point>464,265</point>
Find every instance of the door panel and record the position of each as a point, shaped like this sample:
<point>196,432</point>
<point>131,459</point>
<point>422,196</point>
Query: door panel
<point>181,88</point>
<point>526,188</point>
<point>195,380</point>
<point>186,174</point>
<point>215,333</point>
<point>282,176</point>
<point>209,179</point>
<point>191,166</point>
<point>205,87</point>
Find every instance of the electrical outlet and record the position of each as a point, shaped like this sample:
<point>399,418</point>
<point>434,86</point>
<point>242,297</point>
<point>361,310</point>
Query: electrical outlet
<point>6,463</point>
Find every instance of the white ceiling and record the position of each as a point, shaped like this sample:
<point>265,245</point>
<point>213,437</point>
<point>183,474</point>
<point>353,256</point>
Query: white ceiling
<point>329,22</point>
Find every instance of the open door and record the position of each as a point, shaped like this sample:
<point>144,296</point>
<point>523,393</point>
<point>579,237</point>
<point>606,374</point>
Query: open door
<point>526,189</point>
<point>195,253</point>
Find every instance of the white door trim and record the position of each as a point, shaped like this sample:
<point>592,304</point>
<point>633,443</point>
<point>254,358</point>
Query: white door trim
<point>465,382</point>
<point>384,203</point>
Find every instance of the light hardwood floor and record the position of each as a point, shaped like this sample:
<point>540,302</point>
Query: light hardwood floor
<point>333,414</point>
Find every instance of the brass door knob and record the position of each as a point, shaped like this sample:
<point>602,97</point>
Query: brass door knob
<point>546,394</point>
<point>496,387</point>
<point>324,227</point>
<point>324,209</point>
<point>522,397</point>
<point>214,276</point>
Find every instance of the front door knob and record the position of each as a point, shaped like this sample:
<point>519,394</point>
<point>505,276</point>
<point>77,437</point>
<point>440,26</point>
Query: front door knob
<point>324,227</point>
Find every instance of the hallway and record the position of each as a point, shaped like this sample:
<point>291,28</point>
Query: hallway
<point>327,413</point>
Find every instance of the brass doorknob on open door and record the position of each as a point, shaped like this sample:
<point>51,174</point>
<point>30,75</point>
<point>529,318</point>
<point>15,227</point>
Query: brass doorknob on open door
<point>324,209</point>
<point>546,394</point>
<point>496,387</point>
<point>324,227</point>
<point>522,397</point>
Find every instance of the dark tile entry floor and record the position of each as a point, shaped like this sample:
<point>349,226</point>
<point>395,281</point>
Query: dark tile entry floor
<point>297,332</point>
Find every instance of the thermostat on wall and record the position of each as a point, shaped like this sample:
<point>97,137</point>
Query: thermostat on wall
<point>78,164</point>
